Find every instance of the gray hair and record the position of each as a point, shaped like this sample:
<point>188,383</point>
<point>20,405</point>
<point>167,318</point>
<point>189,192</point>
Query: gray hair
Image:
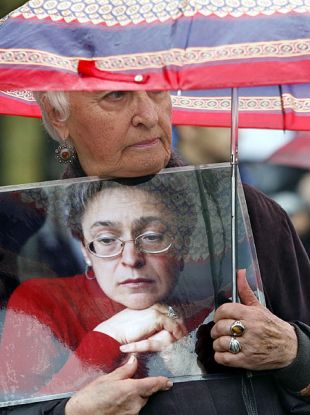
<point>59,100</point>
<point>172,192</point>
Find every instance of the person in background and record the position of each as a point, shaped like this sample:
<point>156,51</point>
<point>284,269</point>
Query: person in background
<point>299,212</point>
<point>202,145</point>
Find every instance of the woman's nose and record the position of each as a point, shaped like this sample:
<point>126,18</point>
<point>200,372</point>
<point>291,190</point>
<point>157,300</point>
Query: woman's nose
<point>145,110</point>
<point>131,256</point>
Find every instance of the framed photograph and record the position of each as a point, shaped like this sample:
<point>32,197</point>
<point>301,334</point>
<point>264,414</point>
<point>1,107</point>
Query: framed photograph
<point>95,270</point>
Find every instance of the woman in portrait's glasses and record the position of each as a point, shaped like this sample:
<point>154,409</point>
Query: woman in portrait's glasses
<point>73,329</point>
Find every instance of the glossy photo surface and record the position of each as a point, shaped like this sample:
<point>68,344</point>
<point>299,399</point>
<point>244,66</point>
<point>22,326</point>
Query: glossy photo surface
<point>94,270</point>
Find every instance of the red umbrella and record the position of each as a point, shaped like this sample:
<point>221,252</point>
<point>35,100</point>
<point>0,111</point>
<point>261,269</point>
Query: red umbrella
<point>177,45</point>
<point>173,44</point>
<point>296,153</point>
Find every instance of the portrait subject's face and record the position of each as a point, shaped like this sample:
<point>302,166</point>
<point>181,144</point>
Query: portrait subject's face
<point>135,279</point>
<point>120,134</point>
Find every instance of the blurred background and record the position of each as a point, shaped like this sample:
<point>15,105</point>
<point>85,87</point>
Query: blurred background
<point>25,152</point>
<point>27,155</point>
<point>275,162</point>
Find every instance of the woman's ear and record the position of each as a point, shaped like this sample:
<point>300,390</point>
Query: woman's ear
<point>86,254</point>
<point>55,120</point>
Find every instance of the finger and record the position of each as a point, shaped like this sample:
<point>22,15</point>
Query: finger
<point>155,343</point>
<point>229,359</point>
<point>222,344</point>
<point>222,328</point>
<point>175,327</point>
<point>148,386</point>
<point>246,294</point>
<point>138,347</point>
<point>164,309</point>
<point>231,311</point>
<point>178,327</point>
<point>223,356</point>
<point>124,372</point>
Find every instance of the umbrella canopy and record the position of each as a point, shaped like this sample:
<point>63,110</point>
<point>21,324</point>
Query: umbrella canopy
<point>296,153</point>
<point>175,45</point>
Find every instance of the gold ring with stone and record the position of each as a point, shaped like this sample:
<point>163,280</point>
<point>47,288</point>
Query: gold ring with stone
<point>237,328</point>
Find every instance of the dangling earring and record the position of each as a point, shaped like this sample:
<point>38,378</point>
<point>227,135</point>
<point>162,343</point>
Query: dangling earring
<point>89,270</point>
<point>65,153</point>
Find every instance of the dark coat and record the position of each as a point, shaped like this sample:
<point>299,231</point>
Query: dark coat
<point>285,270</point>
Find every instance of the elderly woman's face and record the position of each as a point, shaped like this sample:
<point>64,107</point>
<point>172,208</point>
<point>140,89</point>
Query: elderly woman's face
<point>120,134</point>
<point>135,279</point>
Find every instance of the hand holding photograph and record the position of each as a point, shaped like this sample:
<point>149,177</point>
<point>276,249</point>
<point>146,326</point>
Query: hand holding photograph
<point>149,264</point>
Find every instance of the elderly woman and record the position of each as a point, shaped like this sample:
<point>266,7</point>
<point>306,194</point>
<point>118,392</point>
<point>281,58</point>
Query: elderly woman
<point>127,134</point>
<point>115,134</point>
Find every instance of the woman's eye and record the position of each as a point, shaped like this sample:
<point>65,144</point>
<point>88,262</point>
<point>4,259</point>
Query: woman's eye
<point>152,237</point>
<point>106,240</point>
<point>114,95</point>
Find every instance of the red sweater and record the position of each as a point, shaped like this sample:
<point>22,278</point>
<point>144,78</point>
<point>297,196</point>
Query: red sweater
<point>47,319</point>
<point>48,344</point>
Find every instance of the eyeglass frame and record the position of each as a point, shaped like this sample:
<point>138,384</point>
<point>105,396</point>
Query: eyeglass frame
<point>123,243</point>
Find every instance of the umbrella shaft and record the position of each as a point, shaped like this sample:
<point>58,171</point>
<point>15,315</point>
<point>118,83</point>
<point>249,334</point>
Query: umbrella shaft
<point>234,174</point>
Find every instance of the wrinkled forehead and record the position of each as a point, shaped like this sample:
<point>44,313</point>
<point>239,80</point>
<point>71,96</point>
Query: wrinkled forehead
<point>84,94</point>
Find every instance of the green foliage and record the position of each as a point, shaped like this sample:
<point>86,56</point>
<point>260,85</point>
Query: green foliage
<point>26,154</point>
<point>6,6</point>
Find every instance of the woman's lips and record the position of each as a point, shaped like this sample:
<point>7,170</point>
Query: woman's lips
<point>137,282</point>
<point>146,143</point>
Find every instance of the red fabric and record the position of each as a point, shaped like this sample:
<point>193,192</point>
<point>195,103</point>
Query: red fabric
<point>88,68</point>
<point>281,121</point>
<point>245,74</point>
<point>18,107</point>
<point>46,321</point>
<point>48,344</point>
<point>295,153</point>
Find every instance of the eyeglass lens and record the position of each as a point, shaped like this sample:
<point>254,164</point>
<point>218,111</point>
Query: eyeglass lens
<point>151,242</point>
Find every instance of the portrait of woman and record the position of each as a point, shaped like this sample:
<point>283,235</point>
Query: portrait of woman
<point>60,333</point>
